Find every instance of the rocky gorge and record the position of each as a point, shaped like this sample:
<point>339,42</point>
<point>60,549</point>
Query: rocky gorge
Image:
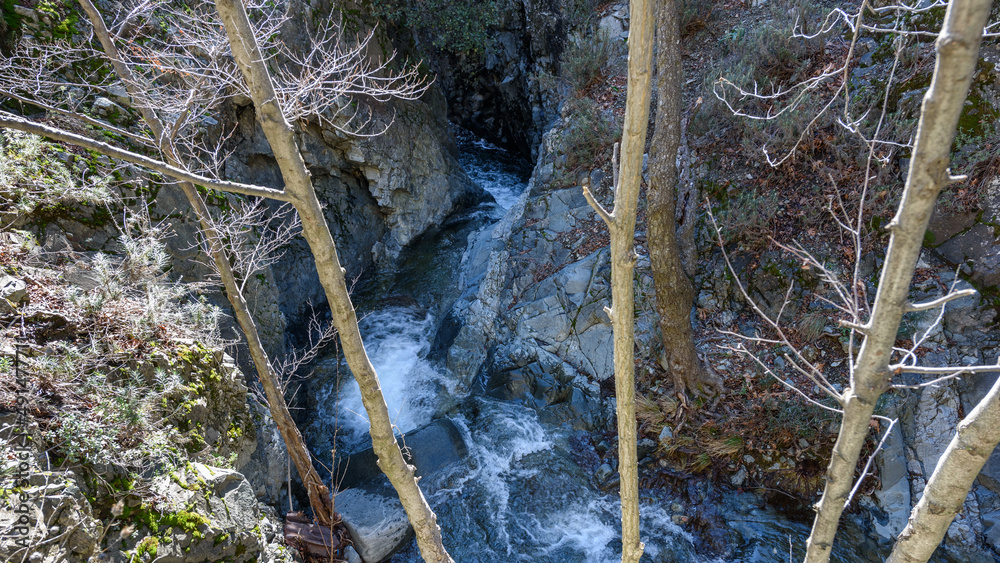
<point>498,367</point>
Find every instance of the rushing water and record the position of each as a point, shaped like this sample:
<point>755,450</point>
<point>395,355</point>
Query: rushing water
<point>520,495</point>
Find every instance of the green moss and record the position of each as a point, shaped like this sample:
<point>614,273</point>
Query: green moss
<point>63,15</point>
<point>148,546</point>
<point>182,483</point>
<point>11,24</point>
<point>929,239</point>
<point>188,522</point>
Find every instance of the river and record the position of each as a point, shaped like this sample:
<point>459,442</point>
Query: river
<point>522,493</point>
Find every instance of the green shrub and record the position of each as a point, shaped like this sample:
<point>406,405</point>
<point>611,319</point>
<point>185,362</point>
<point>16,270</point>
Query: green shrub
<point>586,60</point>
<point>749,217</point>
<point>460,27</point>
<point>590,134</point>
<point>31,176</point>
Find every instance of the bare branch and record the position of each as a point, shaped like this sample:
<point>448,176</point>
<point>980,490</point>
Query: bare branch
<point>319,335</point>
<point>13,122</point>
<point>931,383</point>
<point>79,116</point>
<point>598,208</point>
<point>950,371</point>
<point>940,301</point>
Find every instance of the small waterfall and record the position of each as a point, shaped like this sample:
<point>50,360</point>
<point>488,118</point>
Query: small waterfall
<point>500,173</point>
<point>396,338</point>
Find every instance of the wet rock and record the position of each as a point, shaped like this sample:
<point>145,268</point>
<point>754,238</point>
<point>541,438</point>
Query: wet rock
<point>431,449</point>
<point>603,472</point>
<point>351,555</point>
<point>376,521</point>
<point>547,384</point>
<point>381,191</point>
<point>611,484</point>
<point>894,495</point>
<point>368,504</point>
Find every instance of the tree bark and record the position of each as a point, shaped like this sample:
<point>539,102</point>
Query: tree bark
<point>298,186</point>
<point>621,225</point>
<point>674,291</point>
<point>957,55</point>
<point>317,491</point>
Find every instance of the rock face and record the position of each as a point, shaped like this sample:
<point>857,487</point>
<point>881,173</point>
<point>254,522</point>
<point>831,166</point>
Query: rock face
<point>971,240</point>
<point>188,514</point>
<point>380,192</point>
<point>509,92</point>
<point>267,467</point>
<point>13,292</point>
<point>532,323</point>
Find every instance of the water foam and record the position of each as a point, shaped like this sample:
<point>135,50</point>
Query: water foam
<point>397,344</point>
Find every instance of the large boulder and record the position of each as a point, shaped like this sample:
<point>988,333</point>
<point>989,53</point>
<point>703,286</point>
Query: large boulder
<point>369,506</point>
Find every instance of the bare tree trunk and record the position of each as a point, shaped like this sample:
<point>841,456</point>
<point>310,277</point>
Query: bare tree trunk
<point>674,291</point>
<point>621,225</point>
<point>958,51</point>
<point>298,187</point>
<point>978,434</point>
<point>319,494</point>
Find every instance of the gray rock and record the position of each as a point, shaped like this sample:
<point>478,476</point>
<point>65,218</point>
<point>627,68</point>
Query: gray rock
<point>376,521</point>
<point>991,529</point>
<point>370,507</point>
<point>351,555</point>
<point>936,416</point>
<point>977,248</point>
<point>666,435</point>
<point>739,477</point>
<point>894,495</point>
<point>52,504</point>
<point>603,472</point>
<point>56,240</point>
<point>13,292</point>
<point>266,469</point>
<point>225,500</point>
<point>431,449</point>
<point>106,108</point>
<point>119,94</point>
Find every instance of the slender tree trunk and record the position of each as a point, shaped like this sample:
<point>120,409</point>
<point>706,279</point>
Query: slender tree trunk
<point>621,225</point>
<point>978,434</point>
<point>958,53</point>
<point>298,187</point>
<point>674,291</point>
<point>319,494</point>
